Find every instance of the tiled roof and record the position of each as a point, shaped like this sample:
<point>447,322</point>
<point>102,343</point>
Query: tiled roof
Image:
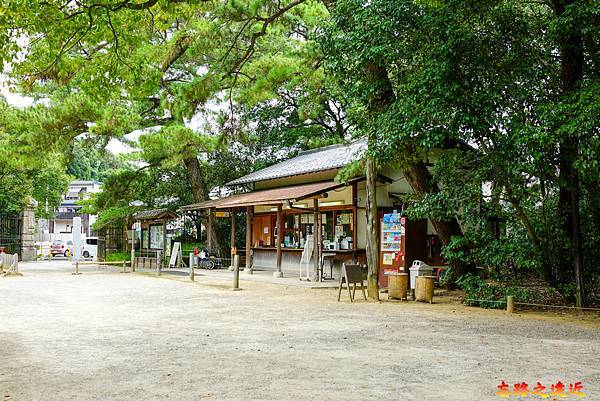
<point>271,196</point>
<point>154,214</point>
<point>311,161</point>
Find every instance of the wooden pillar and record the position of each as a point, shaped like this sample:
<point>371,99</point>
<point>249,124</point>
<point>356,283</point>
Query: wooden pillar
<point>354,215</point>
<point>132,247</point>
<point>279,273</point>
<point>236,272</point>
<point>209,230</point>
<point>232,243</point>
<point>164,254</point>
<point>372,231</point>
<point>317,240</point>
<point>249,217</point>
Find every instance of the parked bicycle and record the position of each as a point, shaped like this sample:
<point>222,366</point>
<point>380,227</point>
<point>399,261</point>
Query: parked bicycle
<point>208,261</point>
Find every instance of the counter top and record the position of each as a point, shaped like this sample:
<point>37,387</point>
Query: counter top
<point>271,248</point>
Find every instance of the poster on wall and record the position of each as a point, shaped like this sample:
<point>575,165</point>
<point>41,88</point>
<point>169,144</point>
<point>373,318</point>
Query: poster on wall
<point>156,237</point>
<point>145,239</point>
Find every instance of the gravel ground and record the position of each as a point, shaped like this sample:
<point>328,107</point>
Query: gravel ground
<point>110,336</point>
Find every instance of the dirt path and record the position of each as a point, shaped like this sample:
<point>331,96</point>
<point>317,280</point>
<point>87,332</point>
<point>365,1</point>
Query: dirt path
<point>110,336</point>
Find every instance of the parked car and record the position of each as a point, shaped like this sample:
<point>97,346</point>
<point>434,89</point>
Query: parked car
<point>61,248</point>
<point>90,247</point>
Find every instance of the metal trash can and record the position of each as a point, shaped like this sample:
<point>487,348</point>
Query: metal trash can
<point>419,268</point>
<point>397,285</point>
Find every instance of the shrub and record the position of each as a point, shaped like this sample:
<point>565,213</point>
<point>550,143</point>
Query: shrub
<point>118,256</point>
<point>480,293</point>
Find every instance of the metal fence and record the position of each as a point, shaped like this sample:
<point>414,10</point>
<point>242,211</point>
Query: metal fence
<point>10,233</point>
<point>112,240</point>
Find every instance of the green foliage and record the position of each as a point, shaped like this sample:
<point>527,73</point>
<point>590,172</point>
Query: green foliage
<point>480,293</point>
<point>484,73</point>
<point>118,256</point>
<point>26,172</point>
<point>88,162</point>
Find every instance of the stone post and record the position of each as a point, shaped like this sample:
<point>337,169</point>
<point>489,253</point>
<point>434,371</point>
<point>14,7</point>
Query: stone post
<point>28,252</point>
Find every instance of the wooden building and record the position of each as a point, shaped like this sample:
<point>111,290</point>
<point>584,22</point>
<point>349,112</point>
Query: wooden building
<point>284,203</point>
<point>153,231</point>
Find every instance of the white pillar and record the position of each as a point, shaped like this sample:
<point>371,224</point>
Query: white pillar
<point>77,238</point>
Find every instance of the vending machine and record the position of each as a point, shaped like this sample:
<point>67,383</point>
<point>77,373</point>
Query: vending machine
<point>401,241</point>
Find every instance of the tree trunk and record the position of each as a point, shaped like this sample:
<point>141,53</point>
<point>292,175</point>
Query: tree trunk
<point>571,62</point>
<point>421,182</point>
<point>195,177</point>
<point>372,232</point>
<point>533,237</point>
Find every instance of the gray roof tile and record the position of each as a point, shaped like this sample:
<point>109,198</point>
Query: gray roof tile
<point>310,161</point>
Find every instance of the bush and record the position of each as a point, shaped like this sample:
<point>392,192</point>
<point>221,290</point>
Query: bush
<point>118,256</point>
<point>485,295</point>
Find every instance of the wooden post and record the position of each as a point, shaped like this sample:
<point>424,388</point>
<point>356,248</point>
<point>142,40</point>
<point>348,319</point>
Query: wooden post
<point>372,231</point>
<point>124,267</point>
<point>164,254</point>
<point>209,231</point>
<point>354,217</point>
<point>133,247</point>
<point>158,263</point>
<point>318,242</point>
<point>249,216</point>
<point>232,242</point>
<point>510,304</point>
<point>236,272</point>
<point>278,273</point>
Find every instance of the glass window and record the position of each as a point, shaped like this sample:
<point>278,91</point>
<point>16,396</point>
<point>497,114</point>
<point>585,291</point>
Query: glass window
<point>307,223</point>
<point>156,237</point>
<point>290,221</point>
<point>327,226</point>
<point>344,224</point>
<point>91,241</point>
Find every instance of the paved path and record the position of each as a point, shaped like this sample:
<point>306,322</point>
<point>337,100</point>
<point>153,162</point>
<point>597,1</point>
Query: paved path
<point>110,336</point>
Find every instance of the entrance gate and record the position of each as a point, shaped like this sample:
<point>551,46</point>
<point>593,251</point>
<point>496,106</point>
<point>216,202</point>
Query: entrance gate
<point>10,233</point>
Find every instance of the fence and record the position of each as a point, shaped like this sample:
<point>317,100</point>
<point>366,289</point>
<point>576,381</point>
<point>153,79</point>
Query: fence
<point>112,240</point>
<point>10,233</point>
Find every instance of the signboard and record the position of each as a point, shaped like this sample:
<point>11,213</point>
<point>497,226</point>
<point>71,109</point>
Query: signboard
<point>175,254</point>
<point>351,274</point>
<point>145,242</point>
<point>388,258</point>
<point>156,237</point>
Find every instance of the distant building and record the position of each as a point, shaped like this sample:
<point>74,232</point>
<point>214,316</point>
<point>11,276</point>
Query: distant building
<point>61,226</point>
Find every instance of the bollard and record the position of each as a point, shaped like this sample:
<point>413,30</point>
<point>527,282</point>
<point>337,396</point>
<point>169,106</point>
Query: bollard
<point>133,263</point>
<point>236,273</point>
<point>510,304</point>
<point>124,268</point>
<point>76,268</point>
<point>159,262</point>
<point>192,267</point>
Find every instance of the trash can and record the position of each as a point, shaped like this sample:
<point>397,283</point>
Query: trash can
<point>419,268</point>
<point>397,285</point>
<point>424,290</point>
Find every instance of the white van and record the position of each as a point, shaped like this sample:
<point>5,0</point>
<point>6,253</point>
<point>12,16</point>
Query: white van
<point>90,247</point>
